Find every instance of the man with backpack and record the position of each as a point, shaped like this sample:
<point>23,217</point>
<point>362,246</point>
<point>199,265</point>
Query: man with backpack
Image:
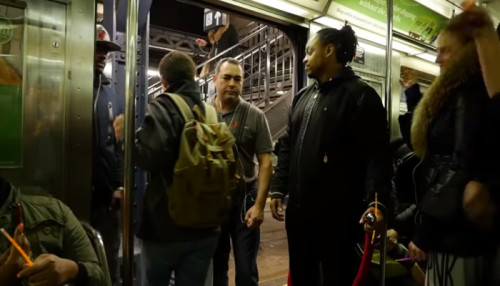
<point>175,237</point>
<point>253,139</point>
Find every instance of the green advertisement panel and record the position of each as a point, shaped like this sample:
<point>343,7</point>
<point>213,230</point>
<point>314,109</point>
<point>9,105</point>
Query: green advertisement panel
<point>10,125</point>
<point>409,17</point>
<point>11,82</point>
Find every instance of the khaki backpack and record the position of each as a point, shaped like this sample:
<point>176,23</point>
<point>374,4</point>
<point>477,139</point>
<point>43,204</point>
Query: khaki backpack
<point>205,173</point>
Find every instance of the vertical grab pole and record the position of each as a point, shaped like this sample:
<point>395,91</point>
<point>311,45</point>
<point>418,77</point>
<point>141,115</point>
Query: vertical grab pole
<point>388,106</point>
<point>388,62</point>
<point>130,90</point>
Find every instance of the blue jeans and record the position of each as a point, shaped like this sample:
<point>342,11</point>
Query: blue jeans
<point>245,246</point>
<point>189,260</point>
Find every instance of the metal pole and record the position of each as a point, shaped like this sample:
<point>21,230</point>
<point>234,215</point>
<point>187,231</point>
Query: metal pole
<point>267,82</point>
<point>388,106</point>
<point>260,65</point>
<point>388,62</point>
<point>252,68</point>
<point>130,90</point>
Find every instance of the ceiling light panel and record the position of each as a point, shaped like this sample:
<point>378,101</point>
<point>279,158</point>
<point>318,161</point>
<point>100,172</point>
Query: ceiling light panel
<point>289,8</point>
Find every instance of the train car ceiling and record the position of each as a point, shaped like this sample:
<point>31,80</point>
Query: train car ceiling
<point>260,12</point>
<point>368,17</point>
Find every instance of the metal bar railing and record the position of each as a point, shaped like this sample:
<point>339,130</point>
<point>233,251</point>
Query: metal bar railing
<point>268,70</point>
<point>218,56</point>
<point>251,75</point>
<point>283,58</point>
<point>260,67</point>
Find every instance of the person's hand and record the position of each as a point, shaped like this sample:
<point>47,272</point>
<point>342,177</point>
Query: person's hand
<point>408,78</point>
<point>11,261</point>
<point>478,205</point>
<point>202,43</point>
<point>277,209</point>
<point>392,239</point>
<point>378,224</point>
<point>416,254</point>
<point>119,127</point>
<point>254,217</point>
<point>14,257</point>
<point>210,36</point>
<point>116,198</point>
<point>50,270</point>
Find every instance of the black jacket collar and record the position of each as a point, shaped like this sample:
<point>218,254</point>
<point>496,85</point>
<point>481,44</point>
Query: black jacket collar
<point>187,89</point>
<point>345,74</point>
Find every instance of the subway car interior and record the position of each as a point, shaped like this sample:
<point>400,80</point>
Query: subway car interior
<point>47,81</point>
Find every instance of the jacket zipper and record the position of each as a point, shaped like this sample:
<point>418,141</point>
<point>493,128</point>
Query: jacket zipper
<point>303,130</point>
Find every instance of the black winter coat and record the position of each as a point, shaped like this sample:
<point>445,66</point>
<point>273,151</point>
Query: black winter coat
<point>107,162</point>
<point>452,126</point>
<point>335,154</point>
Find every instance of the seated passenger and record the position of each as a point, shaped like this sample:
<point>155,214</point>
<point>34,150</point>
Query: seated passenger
<point>48,231</point>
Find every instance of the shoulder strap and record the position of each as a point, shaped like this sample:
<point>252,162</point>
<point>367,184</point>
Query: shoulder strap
<point>182,105</point>
<point>210,114</point>
<point>243,120</point>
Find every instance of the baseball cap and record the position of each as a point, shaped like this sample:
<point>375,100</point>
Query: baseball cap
<point>103,40</point>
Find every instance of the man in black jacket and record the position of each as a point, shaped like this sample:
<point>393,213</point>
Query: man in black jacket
<point>167,246</point>
<point>107,168</point>
<point>332,161</point>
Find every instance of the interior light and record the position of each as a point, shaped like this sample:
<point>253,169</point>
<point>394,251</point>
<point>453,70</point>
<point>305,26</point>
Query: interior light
<point>402,47</point>
<point>378,39</point>
<point>287,7</point>
<point>441,7</point>
<point>428,57</point>
<point>360,33</point>
<point>371,49</point>
<point>420,64</point>
<point>330,22</point>
<point>153,73</point>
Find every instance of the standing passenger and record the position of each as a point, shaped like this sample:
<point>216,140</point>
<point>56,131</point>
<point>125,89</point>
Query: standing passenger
<point>107,168</point>
<point>332,161</point>
<point>453,134</point>
<point>253,139</point>
<point>166,246</point>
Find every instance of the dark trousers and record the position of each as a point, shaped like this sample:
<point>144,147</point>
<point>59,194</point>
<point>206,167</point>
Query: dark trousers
<point>189,260</point>
<point>321,250</point>
<point>245,244</point>
<point>106,220</point>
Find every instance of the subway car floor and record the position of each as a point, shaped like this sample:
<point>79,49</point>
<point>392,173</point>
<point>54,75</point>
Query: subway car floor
<point>272,259</point>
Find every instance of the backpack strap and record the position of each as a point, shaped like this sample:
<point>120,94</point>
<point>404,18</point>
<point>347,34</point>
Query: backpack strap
<point>187,113</point>
<point>243,119</point>
<point>210,114</point>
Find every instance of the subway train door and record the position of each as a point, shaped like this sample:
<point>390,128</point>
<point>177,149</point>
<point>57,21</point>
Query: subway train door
<point>46,75</point>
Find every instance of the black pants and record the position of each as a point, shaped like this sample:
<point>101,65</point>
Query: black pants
<point>245,244</point>
<point>106,220</point>
<point>317,257</point>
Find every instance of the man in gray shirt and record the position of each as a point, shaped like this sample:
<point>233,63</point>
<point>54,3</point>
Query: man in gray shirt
<point>253,139</point>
